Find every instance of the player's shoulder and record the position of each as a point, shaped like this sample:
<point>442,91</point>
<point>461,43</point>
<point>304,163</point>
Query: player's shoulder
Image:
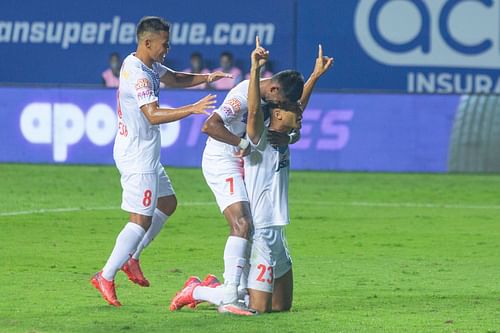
<point>239,92</point>
<point>134,72</point>
<point>242,86</point>
<point>131,62</point>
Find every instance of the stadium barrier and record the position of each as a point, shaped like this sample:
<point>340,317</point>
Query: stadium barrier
<point>347,132</point>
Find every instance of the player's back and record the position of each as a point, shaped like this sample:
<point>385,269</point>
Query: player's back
<point>137,142</point>
<point>266,178</point>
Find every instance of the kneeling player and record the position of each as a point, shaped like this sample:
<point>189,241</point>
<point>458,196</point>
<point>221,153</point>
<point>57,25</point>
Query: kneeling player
<point>270,280</point>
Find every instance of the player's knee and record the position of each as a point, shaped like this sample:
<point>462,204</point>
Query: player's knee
<point>241,227</point>
<point>167,205</point>
<point>261,305</point>
<point>282,307</point>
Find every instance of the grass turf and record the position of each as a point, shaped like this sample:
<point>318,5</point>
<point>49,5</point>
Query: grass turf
<point>372,253</point>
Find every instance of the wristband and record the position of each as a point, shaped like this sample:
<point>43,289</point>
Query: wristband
<point>243,144</point>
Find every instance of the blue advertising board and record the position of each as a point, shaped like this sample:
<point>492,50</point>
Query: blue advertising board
<point>414,46</point>
<point>356,132</point>
<point>70,41</point>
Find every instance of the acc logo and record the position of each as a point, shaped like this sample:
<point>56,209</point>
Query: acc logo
<point>442,33</point>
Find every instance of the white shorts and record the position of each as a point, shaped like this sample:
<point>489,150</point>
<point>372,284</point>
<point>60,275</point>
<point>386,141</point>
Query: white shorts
<point>142,190</point>
<point>224,176</point>
<point>269,258</point>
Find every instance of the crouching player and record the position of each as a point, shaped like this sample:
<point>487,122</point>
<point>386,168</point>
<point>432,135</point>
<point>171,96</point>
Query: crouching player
<point>270,279</point>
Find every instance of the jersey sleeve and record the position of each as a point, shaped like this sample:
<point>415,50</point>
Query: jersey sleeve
<point>143,89</point>
<point>161,69</point>
<point>232,107</point>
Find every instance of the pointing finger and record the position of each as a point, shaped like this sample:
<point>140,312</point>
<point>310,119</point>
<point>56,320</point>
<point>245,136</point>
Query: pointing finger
<point>320,51</point>
<point>257,41</point>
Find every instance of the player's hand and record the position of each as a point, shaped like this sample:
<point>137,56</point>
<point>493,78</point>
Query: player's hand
<point>278,138</point>
<point>323,63</point>
<point>243,152</point>
<point>259,55</point>
<point>204,104</point>
<point>212,77</point>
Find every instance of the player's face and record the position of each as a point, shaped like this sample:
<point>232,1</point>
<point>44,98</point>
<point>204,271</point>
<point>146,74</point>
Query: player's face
<point>290,118</point>
<point>159,45</point>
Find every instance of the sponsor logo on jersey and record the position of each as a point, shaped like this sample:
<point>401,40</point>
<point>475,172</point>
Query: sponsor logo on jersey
<point>284,157</point>
<point>235,105</point>
<point>142,83</point>
<point>145,94</point>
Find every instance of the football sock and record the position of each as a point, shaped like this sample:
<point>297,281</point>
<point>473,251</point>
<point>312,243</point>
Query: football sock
<point>125,245</point>
<point>212,295</point>
<point>159,219</point>
<point>244,274</point>
<point>234,261</point>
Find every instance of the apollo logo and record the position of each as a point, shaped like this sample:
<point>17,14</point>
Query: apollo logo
<point>435,33</point>
<point>63,125</point>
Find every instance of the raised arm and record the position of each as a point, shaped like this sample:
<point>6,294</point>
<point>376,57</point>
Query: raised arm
<point>255,121</point>
<point>157,115</point>
<point>322,64</point>
<point>175,79</point>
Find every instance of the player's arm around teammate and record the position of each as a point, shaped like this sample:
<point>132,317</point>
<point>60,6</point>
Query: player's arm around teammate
<point>174,79</point>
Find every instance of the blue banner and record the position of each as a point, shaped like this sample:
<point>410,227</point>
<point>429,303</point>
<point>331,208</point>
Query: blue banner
<point>414,46</point>
<point>70,41</point>
<point>359,132</point>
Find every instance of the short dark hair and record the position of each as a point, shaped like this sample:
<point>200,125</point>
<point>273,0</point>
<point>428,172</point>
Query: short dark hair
<point>291,83</point>
<point>153,24</point>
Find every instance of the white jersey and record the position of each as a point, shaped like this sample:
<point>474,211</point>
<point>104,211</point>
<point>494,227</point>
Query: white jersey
<point>266,178</point>
<point>137,143</point>
<point>233,111</point>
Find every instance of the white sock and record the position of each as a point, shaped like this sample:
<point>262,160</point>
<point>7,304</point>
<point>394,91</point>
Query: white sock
<point>125,245</point>
<point>246,300</point>
<point>211,295</point>
<point>159,219</point>
<point>234,262</point>
<point>246,270</point>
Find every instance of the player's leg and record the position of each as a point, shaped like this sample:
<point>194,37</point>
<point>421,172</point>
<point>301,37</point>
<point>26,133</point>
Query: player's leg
<point>260,301</point>
<point>283,274</point>
<point>283,292</point>
<point>225,179</point>
<point>166,205</point>
<point>139,198</point>
<point>239,220</point>
<point>261,272</point>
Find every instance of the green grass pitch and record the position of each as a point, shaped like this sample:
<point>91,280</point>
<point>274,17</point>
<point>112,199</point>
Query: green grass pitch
<point>372,253</point>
